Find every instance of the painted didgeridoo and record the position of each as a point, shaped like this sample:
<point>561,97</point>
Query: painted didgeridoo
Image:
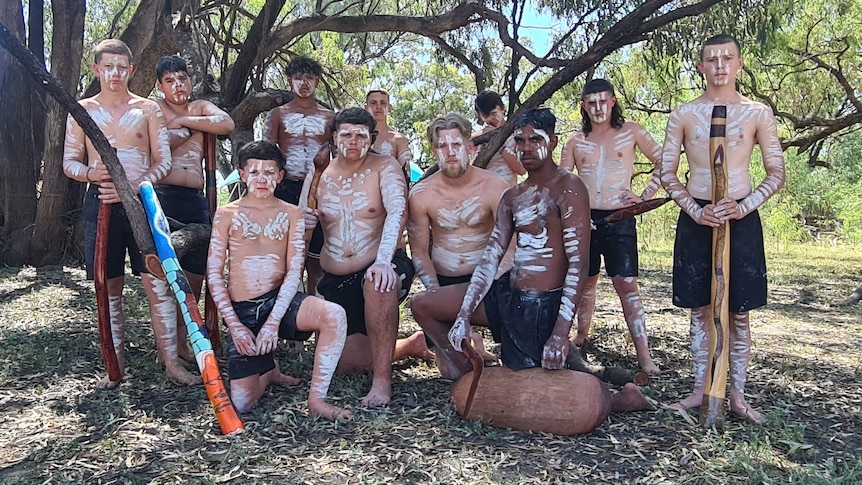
<point>100,280</point>
<point>712,409</point>
<point>562,402</point>
<point>211,316</point>
<point>228,419</point>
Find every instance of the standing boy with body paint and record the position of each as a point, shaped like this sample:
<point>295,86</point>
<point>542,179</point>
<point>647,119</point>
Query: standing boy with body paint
<point>362,206</point>
<point>300,128</point>
<point>492,113</point>
<point>260,239</point>
<point>748,123</point>
<point>136,128</point>
<point>180,192</point>
<point>457,207</point>
<point>388,140</point>
<point>530,308</point>
<point>604,154</point>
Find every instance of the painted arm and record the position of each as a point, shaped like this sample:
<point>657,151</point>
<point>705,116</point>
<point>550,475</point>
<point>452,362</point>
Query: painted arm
<point>404,154</point>
<point>567,155</point>
<point>773,162</point>
<point>272,126</point>
<point>574,207</point>
<point>267,338</point>
<point>670,164</point>
<point>73,152</point>
<point>210,120</point>
<point>160,147</point>
<point>652,150</point>
<point>393,192</point>
<point>483,275</point>
<point>216,260</point>
<point>511,157</point>
<point>418,235</point>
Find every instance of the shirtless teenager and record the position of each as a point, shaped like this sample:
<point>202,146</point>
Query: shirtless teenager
<point>530,308</point>
<point>604,155</point>
<point>180,192</point>
<point>748,123</point>
<point>457,206</point>
<point>492,113</point>
<point>300,128</point>
<point>388,140</point>
<point>362,206</point>
<point>136,128</point>
<point>261,240</point>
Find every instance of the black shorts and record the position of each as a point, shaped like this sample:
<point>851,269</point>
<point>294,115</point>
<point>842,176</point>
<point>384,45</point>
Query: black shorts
<point>617,242</point>
<point>120,238</point>
<point>347,290</point>
<point>253,314</point>
<point>522,321</point>
<point>453,280</point>
<point>186,205</point>
<point>692,263</point>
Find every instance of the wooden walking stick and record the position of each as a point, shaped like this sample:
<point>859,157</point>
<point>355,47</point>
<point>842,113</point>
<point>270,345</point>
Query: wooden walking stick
<point>211,317</point>
<point>712,409</point>
<point>100,279</point>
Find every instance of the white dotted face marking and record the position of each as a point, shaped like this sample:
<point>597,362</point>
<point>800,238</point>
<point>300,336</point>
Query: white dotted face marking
<point>353,140</point>
<point>261,177</point>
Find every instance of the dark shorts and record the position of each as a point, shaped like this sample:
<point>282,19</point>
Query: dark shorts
<point>186,205</point>
<point>253,314</point>
<point>692,263</point>
<point>290,191</point>
<point>453,280</point>
<point>347,290</point>
<point>120,238</point>
<point>522,321</point>
<point>617,242</point>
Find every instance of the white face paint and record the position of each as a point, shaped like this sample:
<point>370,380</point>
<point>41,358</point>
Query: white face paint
<point>353,141</point>
<point>261,177</point>
<point>598,106</point>
<point>718,64</point>
<point>451,153</point>
<point>114,70</point>
<point>176,87</point>
<point>378,105</point>
<point>303,85</point>
<point>532,143</point>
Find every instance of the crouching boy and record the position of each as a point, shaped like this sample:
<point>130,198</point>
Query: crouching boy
<point>260,239</point>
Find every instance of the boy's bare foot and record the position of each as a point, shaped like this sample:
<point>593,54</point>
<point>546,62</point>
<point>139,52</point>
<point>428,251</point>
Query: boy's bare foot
<point>320,408</point>
<point>692,401</point>
<point>479,345</point>
<point>107,383</point>
<point>379,395</point>
<point>744,410</point>
<point>280,379</point>
<point>630,398</point>
<point>185,352</point>
<point>177,373</point>
<point>415,346</point>
<point>649,366</point>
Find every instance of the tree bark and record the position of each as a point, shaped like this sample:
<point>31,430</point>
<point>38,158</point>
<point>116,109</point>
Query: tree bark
<point>17,166</point>
<point>49,234</point>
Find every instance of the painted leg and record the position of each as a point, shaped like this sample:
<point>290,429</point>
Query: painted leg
<point>245,392</point>
<point>329,321</point>
<point>435,312</point>
<point>633,310</point>
<point>700,318</point>
<point>118,329</point>
<point>163,313</point>
<point>381,319</point>
<point>740,354</point>
<point>585,310</point>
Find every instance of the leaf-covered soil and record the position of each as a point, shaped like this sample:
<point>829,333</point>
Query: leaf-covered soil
<point>56,428</point>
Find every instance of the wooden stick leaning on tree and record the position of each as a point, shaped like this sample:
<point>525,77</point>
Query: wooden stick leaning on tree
<point>712,409</point>
<point>211,315</point>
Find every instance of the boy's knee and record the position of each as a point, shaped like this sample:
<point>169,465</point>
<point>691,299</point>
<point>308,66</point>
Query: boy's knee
<point>336,318</point>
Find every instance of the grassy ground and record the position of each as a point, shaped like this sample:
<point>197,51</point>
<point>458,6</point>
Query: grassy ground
<point>806,362</point>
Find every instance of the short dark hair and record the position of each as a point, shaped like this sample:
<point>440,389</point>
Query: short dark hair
<point>600,86</point>
<point>486,101</point>
<point>261,150</point>
<point>538,118</point>
<point>354,116</point>
<point>303,65</point>
<point>718,40</point>
<point>170,64</point>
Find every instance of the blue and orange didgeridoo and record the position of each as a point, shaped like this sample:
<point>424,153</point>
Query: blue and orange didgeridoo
<point>225,412</point>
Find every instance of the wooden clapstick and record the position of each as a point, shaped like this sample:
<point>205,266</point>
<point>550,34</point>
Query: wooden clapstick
<point>712,409</point>
<point>100,280</point>
<point>211,316</point>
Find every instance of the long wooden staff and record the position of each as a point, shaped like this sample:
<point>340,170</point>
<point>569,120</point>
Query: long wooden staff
<point>100,279</point>
<point>211,317</point>
<point>228,419</point>
<point>637,209</point>
<point>712,409</point>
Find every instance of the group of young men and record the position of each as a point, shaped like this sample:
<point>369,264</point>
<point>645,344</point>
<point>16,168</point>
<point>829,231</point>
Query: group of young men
<point>520,258</point>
